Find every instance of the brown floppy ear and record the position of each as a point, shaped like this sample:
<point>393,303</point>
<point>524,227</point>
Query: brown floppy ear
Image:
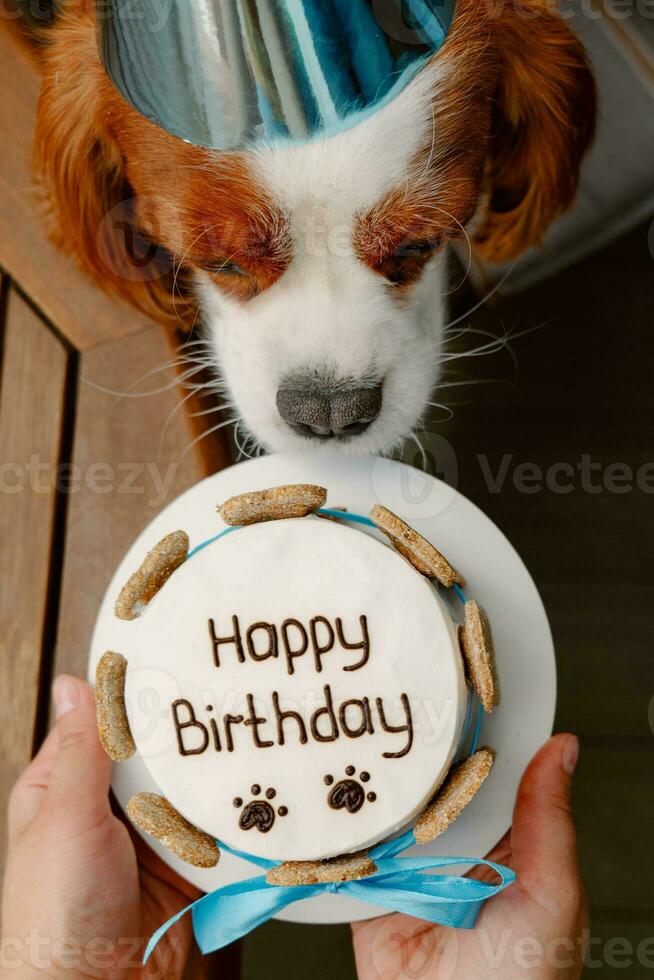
<point>79,168</point>
<point>543,123</point>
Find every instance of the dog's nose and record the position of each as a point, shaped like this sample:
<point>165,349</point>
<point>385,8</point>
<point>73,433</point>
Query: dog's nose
<point>329,410</point>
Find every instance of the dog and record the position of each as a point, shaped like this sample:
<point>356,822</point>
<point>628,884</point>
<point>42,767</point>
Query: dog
<point>320,268</point>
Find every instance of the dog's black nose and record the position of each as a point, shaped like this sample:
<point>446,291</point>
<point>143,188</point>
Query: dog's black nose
<point>329,409</point>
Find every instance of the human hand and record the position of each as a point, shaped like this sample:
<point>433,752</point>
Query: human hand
<point>81,890</point>
<point>535,928</point>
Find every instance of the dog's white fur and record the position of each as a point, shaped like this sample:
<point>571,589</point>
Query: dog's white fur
<point>329,312</point>
<point>507,109</point>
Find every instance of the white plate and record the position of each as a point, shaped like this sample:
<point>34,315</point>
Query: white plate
<point>496,577</point>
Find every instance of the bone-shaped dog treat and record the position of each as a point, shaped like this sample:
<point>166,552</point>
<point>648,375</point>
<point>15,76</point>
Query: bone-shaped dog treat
<point>350,867</point>
<point>155,816</point>
<point>479,655</point>
<point>458,790</point>
<point>297,500</point>
<point>416,549</point>
<point>155,571</point>
<point>113,725</point>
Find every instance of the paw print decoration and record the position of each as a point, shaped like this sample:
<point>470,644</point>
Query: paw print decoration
<point>349,794</point>
<point>259,814</point>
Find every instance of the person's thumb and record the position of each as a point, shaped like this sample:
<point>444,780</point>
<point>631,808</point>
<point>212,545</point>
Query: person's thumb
<point>543,838</point>
<point>82,771</point>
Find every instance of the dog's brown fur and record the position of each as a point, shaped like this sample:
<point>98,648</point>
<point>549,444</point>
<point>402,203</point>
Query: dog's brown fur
<point>514,114</point>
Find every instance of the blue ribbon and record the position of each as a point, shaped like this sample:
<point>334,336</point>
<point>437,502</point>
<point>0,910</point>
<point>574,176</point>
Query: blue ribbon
<point>398,885</point>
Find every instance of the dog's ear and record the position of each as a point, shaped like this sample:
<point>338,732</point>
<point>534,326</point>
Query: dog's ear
<point>80,169</point>
<point>543,123</point>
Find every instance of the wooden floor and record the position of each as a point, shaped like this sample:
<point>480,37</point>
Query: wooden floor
<point>583,388</point>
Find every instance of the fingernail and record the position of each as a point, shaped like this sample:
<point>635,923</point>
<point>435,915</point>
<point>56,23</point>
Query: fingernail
<point>65,694</point>
<point>570,755</point>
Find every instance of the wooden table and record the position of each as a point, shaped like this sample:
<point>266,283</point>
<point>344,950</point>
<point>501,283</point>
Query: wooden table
<point>82,470</point>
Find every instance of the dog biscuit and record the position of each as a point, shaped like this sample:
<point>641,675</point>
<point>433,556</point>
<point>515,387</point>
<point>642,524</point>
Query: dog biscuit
<point>477,648</point>
<point>416,549</point>
<point>297,500</point>
<point>350,867</point>
<point>113,726</point>
<point>458,790</point>
<point>154,815</point>
<point>158,566</point>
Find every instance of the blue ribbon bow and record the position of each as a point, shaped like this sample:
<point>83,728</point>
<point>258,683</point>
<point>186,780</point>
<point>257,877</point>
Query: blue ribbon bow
<point>398,885</point>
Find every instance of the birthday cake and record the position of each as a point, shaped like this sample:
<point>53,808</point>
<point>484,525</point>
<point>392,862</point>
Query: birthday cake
<point>300,687</point>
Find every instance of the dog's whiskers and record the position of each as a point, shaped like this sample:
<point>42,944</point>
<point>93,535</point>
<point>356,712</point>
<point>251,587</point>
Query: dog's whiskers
<point>472,381</point>
<point>129,393</point>
<point>209,432</point>
<point>421,449</point>
<point>209,411</point>
<point>482,302</point>
<point>177,265</point>
<point>180,404</point>
<point>494,346</point>
<point>242,448</point>
<point>457,223</point>
<point>449,412</point>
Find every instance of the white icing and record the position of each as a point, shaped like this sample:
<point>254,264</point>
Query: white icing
<point>297,570</point>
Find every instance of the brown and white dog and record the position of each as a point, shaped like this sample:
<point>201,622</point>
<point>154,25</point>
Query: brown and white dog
<point>319,268</point>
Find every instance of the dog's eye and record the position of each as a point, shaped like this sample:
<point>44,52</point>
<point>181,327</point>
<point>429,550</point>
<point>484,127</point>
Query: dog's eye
<point>406,263</point>
<point>414,249</point>
<point>224,268</point>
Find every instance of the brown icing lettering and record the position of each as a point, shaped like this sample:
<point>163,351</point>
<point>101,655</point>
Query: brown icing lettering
<point>408,728</point>
<point>283,716</point>
<point>272,650</point>
<point>353,718</point>
<point>228,721</point>
<point>326,712</point>
<point>319,649</point>
<point>295,640</point>
<point>190,723</point>
<point>291,652</point>
<point>264,641</point>
<point>254,721</point>
<point>216,734</point>
<point>218,641</point>
<point>365,725</point>
<point>363,646</point>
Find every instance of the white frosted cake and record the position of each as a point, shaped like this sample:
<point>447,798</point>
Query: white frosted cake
<point>296,688</point>
<point>310,690</point>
